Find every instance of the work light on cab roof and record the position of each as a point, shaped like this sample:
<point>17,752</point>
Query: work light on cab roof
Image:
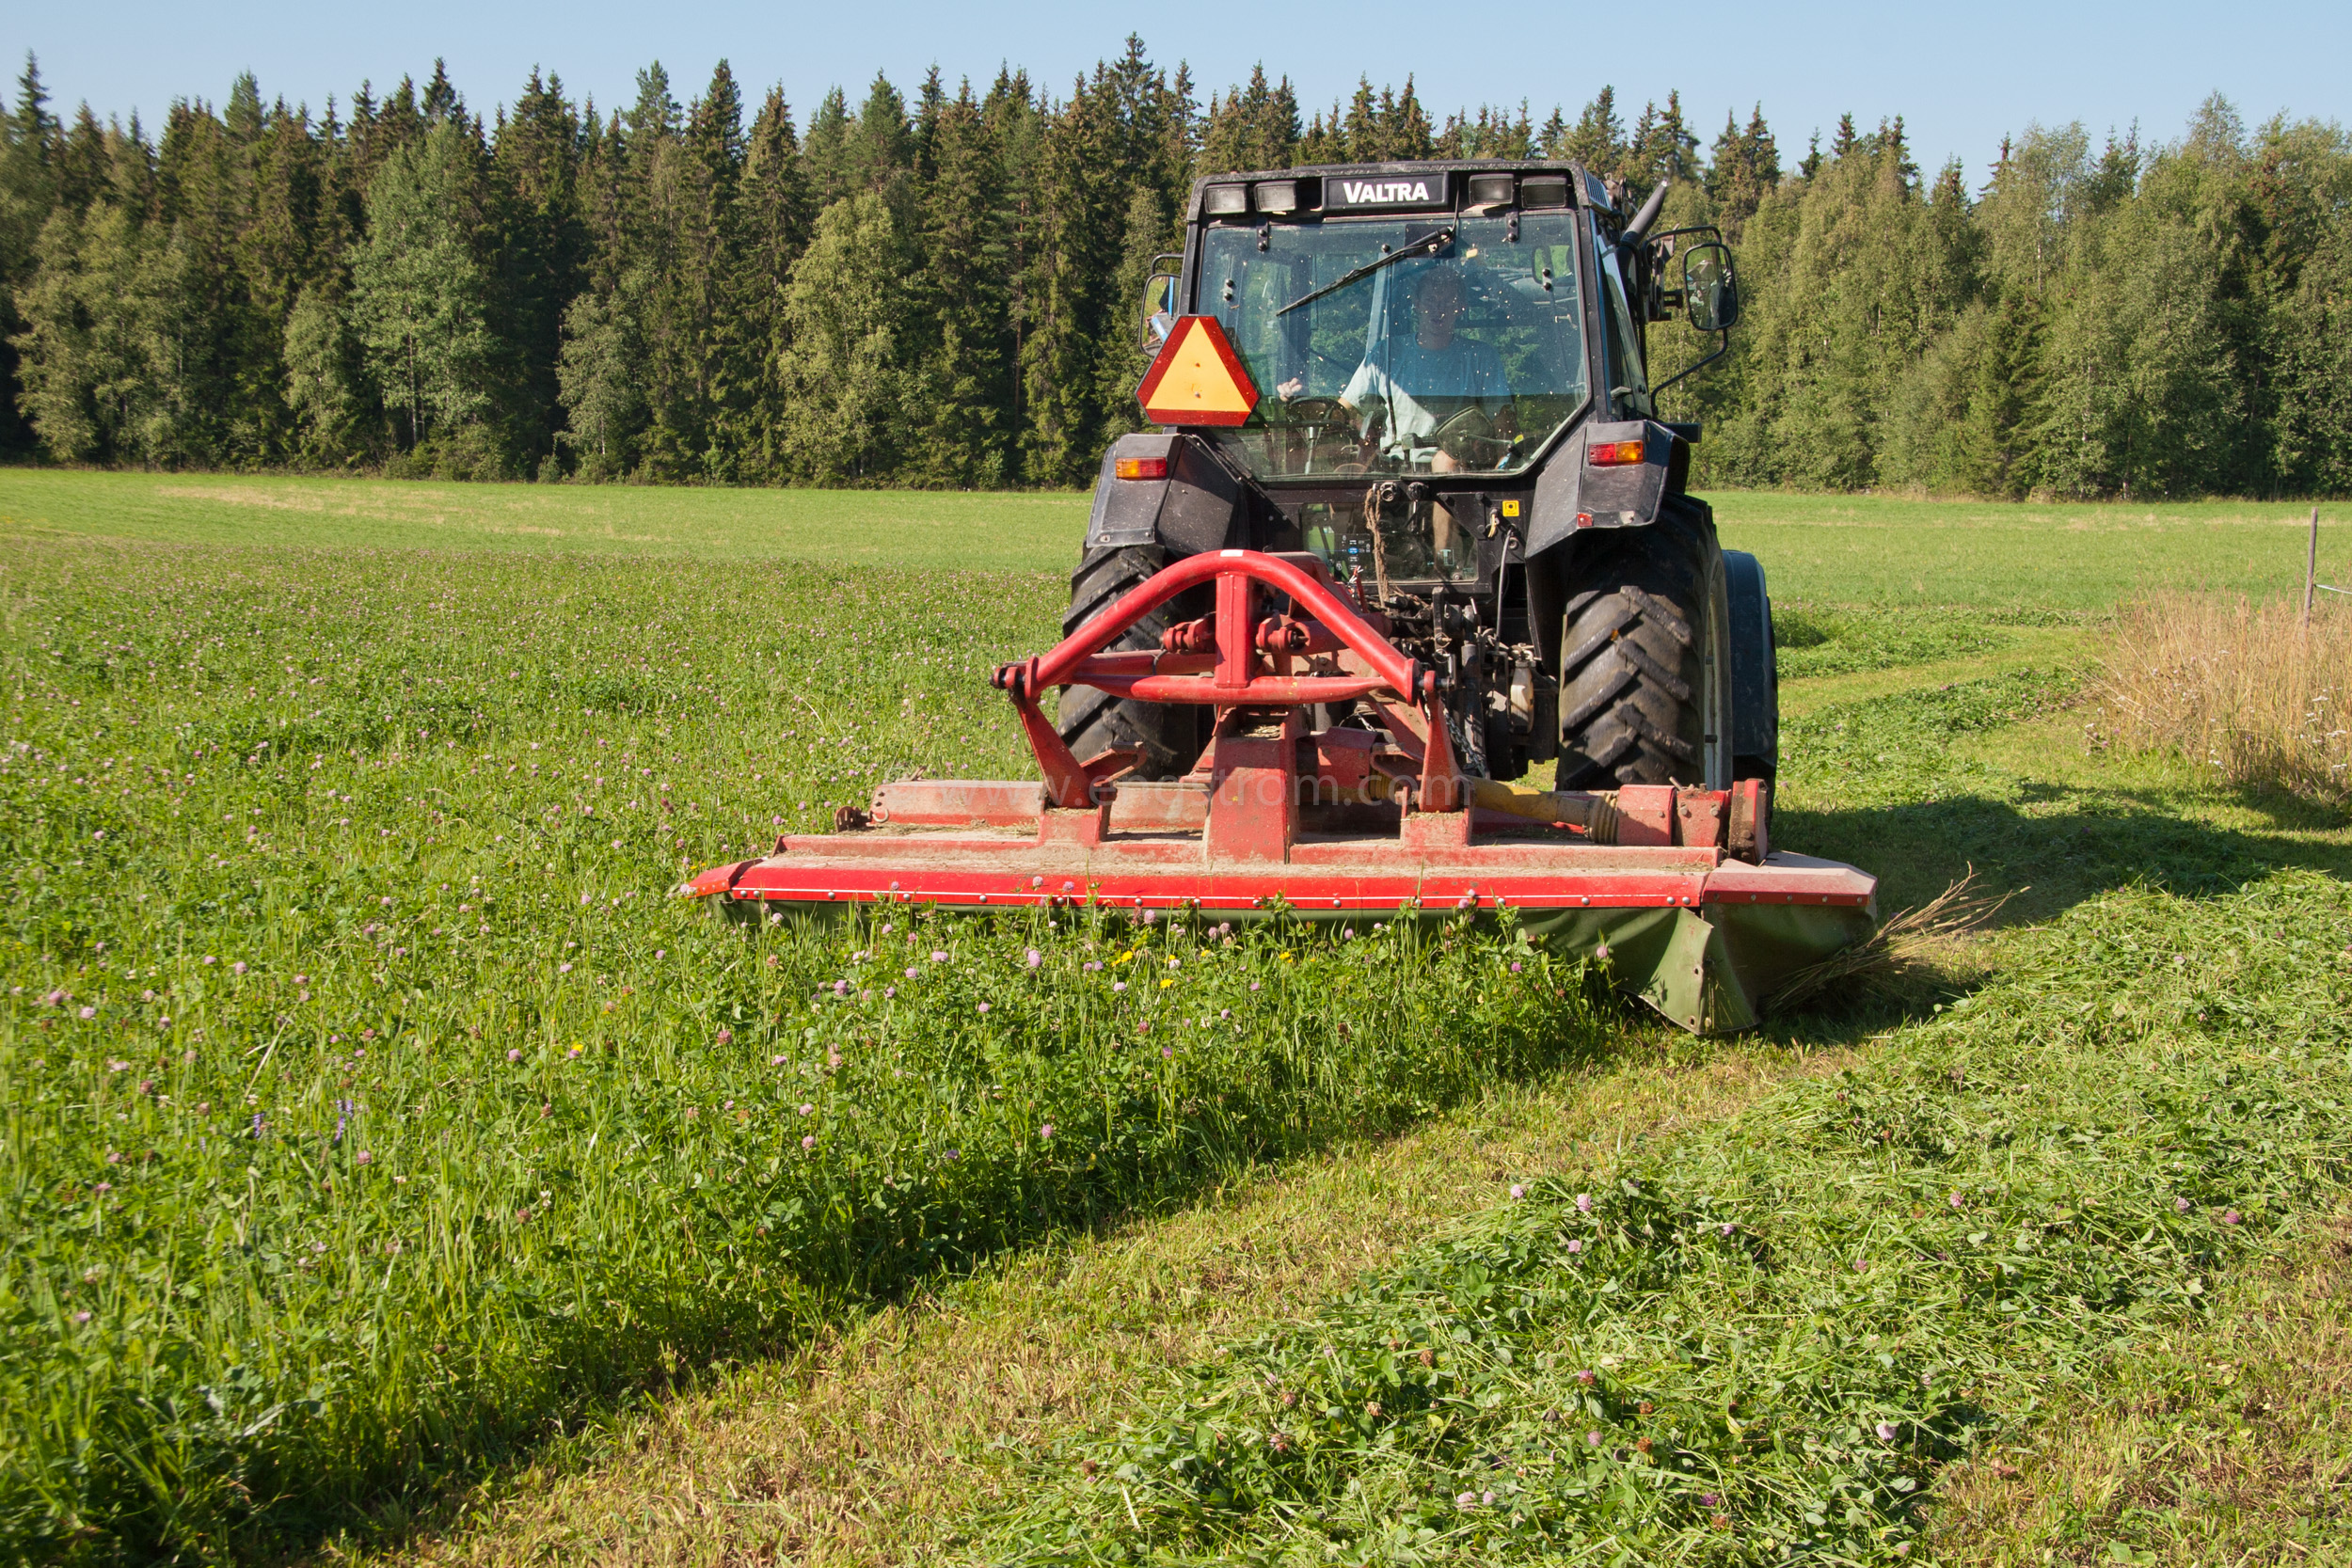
<point>1408,533</point>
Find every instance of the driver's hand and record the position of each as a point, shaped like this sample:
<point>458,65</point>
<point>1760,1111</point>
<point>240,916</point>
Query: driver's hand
<point>1292,388</point>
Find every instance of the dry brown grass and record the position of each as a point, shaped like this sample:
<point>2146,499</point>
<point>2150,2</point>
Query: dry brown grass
<point>1926,946</point>
<point>882,1445</point>
<point>2243,690</point>
<point>2229,1442</point>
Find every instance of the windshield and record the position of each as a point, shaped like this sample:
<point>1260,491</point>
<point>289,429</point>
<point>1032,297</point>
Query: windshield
<point>1462,354</point>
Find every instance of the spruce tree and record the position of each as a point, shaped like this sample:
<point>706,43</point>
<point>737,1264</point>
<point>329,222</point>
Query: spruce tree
<point>420,295</point>
<point>962,433</point>
<point>1597,140</point>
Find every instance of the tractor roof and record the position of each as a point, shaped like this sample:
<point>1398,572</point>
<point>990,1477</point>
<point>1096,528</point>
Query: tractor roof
<point>1436,184</point>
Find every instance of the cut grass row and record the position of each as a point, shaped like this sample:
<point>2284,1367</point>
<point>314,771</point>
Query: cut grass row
<point>884,1442</point>
<point>1758,1343</point>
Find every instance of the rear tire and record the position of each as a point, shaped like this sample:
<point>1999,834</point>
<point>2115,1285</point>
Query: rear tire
<point>1092,722</point>
<point>1645,656</point>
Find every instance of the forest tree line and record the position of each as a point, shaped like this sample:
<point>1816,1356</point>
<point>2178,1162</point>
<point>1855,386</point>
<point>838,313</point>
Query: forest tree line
<point>944,291</point>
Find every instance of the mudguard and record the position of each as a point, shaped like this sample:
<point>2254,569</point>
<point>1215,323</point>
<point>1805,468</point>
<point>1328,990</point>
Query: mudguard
<point>1755,670</point>
<point>1572,495</point>
<point>1199,503</point>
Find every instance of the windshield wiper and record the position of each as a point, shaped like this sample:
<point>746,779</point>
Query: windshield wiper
<point>1427,245</point>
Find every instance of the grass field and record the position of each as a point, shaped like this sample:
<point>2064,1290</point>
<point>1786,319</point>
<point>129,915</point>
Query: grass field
<point>391,1168</point>
<point>1839,549</point>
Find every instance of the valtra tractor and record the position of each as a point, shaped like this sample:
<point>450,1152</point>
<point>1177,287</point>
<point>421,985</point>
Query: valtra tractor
<point>1408,528</point>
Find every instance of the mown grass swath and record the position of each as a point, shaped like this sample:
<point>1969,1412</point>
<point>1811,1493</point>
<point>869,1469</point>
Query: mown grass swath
<point>371,1111</point>
<point>1757,1345</point>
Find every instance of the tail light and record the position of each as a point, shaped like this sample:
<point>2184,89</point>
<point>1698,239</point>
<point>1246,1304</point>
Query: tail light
<point>1141,467</point>
<point>1610,454</point>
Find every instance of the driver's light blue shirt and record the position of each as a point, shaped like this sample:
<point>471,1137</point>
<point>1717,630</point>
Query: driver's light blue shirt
<point>1464,370</point>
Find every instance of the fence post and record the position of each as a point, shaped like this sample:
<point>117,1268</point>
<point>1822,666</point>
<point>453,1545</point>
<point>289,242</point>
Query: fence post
<point>2310,570</point>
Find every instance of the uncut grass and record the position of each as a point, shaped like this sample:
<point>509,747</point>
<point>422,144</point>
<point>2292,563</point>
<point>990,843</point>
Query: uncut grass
<point>2250,692</point>
<point>371,1111</point>
<point>1761,1343</point>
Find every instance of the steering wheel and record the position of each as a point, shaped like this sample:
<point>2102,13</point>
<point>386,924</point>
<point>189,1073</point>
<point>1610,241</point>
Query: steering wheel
<point>1322,412</point>
<point>1469,437</point>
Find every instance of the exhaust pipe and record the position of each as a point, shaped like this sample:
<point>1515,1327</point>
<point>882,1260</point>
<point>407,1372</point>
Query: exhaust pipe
<point>1639,228</point>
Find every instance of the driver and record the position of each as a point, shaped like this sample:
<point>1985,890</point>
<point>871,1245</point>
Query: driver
<point>1422,381</point>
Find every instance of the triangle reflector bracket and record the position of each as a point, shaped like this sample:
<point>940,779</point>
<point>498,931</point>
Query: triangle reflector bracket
<point>1197,378</point>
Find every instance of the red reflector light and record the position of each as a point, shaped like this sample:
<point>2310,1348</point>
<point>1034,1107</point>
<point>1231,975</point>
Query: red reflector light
<point>1141,467</point>
<point>1609,454</point>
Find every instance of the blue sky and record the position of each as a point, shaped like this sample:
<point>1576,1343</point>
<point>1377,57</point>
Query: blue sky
<point>1961,77</point>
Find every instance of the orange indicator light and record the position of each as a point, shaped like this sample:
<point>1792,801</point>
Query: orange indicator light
<point>1610,454</point>
<point>1141,467</point>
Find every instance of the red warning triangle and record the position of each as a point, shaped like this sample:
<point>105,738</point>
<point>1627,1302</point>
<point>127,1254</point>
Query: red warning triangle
<point>1197,378</point>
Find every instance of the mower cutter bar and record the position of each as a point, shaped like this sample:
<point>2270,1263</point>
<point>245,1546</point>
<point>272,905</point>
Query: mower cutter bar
<point>803,874</point>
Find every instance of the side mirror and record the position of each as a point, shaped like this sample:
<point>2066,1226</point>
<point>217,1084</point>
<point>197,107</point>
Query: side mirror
<point>1159,309</point>
<point>1709,289</point>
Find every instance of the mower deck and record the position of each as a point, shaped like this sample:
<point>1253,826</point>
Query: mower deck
<point>1676,890</point>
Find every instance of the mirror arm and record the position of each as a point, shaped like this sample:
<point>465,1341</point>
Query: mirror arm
<point>1721,348</point>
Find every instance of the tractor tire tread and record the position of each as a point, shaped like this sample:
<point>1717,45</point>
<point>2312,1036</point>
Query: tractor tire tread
<point>1632,665</point>
<point>1092,720</point>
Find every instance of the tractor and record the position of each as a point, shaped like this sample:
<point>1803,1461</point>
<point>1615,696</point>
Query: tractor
<point>1452,396</point>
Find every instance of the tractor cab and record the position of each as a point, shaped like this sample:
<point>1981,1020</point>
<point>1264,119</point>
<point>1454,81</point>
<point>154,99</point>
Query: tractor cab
<point>1442,326</point>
